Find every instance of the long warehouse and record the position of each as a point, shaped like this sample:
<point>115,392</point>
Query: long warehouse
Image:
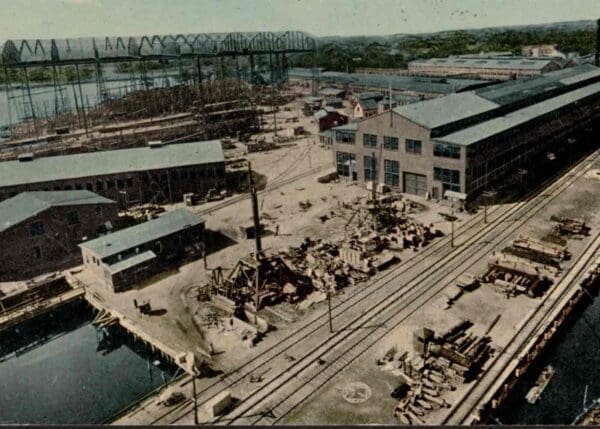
<point>156,173</point>
<point>462,142</point>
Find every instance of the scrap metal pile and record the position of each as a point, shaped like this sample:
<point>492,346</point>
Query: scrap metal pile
<point>568,226</point>
<point>438,366</point>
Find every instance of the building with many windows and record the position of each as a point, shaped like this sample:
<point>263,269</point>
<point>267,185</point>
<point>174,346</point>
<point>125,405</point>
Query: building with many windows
<point>157,173</point>
<point>464,141</point>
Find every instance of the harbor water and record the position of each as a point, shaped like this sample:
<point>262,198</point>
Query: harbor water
<point>574,355</point>
<point>59,369</point>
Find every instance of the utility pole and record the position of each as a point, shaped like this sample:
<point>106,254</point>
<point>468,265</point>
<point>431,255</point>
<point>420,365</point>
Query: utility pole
<point>255,214</point>
<point>195,400</point>
<point>329,310</point>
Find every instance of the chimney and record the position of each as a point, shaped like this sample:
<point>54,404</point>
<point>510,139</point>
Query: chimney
<point>597,59</point>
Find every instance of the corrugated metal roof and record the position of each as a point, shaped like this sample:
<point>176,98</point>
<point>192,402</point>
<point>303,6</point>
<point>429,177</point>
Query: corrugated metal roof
<point>330,91</point>
<point>109,162</point>
<point>351,126</point>
<point>137,235</point>
<point>28,204</point>
<point>134,260</point>
<point>498,125</point>
<point>368,103</point>
<point>521,89</point>
<point>402,83</point>
<point>485,63</point>
<point>444,110</point>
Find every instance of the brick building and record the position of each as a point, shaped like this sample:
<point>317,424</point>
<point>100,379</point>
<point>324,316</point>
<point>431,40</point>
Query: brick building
<point>158,173</point>
<point>40,231</point>
<point>464,141</point>
<point>133,254</point>
<point>328,117</point>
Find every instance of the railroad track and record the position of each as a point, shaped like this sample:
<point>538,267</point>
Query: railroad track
<point>317,323</point>
<point>528,331</point>
<point>275,400</point>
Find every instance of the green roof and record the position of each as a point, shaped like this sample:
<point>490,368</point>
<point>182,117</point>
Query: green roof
<point>28,204</point>
<point>137,235</point>
<point>445,110</point>
<point>90,164</point>
<point>134,260</point>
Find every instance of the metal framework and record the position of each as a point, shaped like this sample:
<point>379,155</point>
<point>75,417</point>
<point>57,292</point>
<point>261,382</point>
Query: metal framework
<point>92,50</point>
<point>194,49</point>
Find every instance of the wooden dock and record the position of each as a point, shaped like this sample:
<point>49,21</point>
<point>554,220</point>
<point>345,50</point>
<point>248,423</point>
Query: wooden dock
<point>22,314</point>
<point>183,359</point>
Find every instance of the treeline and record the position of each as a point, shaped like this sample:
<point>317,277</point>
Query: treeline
<point>346,54</point>
<point>44,74</point>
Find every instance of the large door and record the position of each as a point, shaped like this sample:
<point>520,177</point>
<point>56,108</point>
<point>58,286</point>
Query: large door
<point>415,184</point>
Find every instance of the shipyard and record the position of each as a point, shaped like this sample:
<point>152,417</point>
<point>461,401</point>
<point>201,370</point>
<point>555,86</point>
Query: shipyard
<point>300,227</point>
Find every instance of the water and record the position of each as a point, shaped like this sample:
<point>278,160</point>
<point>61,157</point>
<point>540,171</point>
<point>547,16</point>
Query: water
<point>53,373</point>
<point>577,362</point>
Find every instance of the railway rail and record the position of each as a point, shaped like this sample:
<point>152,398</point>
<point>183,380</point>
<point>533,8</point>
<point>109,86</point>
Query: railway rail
<point>315,324</point>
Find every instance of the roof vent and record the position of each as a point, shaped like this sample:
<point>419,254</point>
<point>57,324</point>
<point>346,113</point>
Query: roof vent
<point>26,157</point>
<point>155,143</point>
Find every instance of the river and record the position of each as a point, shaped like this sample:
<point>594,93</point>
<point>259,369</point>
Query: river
<point>58,369</point>
<point>575,357</point>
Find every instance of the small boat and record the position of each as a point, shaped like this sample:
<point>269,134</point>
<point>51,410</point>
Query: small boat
<point>536,391</point>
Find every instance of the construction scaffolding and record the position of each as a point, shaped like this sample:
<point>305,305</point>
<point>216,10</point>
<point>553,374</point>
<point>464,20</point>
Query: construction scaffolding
<point>54,83</point>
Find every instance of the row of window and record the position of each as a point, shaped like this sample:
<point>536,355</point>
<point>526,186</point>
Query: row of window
<point>412,146</point>
<point>346,164</point>
<point>446,150</point>
<point>72,218</point>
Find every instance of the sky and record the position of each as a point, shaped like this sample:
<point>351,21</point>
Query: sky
<point>73,18</point>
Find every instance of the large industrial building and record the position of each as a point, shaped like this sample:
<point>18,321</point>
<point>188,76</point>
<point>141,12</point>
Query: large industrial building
<point>462,142</point>
<point>424,87</point>
<point>493,68</point>
<point>40,231</point>
<point>156,173</point>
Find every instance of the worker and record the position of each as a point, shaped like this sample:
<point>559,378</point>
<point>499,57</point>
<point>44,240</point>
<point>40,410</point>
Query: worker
<point>276,230</point>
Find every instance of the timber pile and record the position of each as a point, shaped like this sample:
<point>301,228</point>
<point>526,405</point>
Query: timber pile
<point>440,364</point>
<point>568,226</point>
<point>556,252</point>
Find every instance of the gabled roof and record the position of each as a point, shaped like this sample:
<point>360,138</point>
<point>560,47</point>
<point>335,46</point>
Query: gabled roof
<point>491,127</point>
<point>109,162</point>
<point>368,103</point>
<point>324,111</point>
<point>444,110</point>
<point>28,204</point>
<point>137,235</point>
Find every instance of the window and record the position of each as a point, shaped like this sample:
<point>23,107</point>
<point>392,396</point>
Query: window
<point>129,182</point>
<point>89,186</point>
<point>347,137</point>
<point>345,163</point>
<point>413,146</point>
<point>446,151</point>
<point>450,178</point>
<point>369,140</point>
<point>78,186</point>
<point>158,247</point>
<point>110,184</point>
<point>98,210</point>
<point>390,143</point>
<point>37,228</point>
<point>57,188</point>
<point>72,218</point>
<point>392,173</point>
<point>37,252</point>
<point>370,164</point>
<point>120,184</point>
<point>99,185</point>
<point>68,187</point>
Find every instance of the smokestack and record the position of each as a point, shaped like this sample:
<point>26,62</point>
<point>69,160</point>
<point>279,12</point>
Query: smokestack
<point>597,59</point>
